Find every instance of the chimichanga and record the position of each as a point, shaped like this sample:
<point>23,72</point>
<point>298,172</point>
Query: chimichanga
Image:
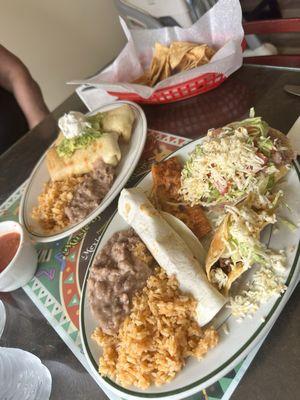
<point>119,120</point>
<point>81,162</point>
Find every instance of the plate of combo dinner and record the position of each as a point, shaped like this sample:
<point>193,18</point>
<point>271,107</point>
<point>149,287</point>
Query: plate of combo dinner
<point>82,172</point>
<point>195,265</point>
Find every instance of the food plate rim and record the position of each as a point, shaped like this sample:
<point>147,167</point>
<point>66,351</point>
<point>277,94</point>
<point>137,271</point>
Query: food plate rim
<point>221,370</point>
<point>74,228</point>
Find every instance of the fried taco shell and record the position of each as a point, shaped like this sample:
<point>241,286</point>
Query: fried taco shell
<point>214,256</point>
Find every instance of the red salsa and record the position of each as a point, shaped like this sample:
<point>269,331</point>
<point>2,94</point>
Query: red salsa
<point>9,244</point>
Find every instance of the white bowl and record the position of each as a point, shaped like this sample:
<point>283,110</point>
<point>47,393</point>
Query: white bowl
<point>23,266</point>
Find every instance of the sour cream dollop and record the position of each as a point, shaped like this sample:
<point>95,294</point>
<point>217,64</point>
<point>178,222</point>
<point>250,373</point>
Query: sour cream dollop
<point>73,124</point>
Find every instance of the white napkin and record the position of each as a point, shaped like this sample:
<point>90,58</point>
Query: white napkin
<point>294,136</point>
<point>221,27</point>
<point>94,97</point>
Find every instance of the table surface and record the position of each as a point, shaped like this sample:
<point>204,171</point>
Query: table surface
<point>274,373</point>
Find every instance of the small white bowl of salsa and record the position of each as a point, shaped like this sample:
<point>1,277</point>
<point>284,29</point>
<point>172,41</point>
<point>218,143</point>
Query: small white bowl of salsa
<point>18,257</point>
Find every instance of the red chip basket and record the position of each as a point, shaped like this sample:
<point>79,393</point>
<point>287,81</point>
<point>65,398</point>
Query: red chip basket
<point>193,87</point>
<point>184,90</point>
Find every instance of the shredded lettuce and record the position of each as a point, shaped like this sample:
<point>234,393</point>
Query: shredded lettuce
<point>243,244</point>
<point>271,182</point>
<point>214,194</point>
<point>265,145</point>
<point>255,126</point>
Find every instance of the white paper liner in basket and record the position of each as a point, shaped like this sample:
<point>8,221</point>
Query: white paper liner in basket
<point>221,28</point>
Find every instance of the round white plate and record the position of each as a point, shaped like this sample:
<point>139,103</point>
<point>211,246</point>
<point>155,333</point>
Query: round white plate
<point>131,153</point>
<point>242,337</point>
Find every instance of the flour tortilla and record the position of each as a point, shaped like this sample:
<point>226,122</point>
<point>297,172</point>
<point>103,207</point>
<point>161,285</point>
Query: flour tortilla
<point>82,161</point>
<point>119,120</point>
<point>187,235</point>
<point>170,251</point>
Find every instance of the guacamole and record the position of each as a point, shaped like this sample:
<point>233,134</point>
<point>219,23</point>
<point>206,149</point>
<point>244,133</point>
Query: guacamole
<point>91,132</point>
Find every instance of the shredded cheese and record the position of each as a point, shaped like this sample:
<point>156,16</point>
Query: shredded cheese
<point>219,277</point>
<point>229,165</point>
<point>265,284</point>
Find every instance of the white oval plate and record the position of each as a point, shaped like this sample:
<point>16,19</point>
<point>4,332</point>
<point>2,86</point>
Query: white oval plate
<point>131,153</point>
<point>242,337</point>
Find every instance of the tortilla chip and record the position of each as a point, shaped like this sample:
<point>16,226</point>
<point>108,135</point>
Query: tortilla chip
<point>193,57</point>
<point>160,57</point>
<point>180,56</point>
<point>184,65</point>
<point>155,70</point>
<point>177,52</point>
<point>166,71</point>
<point>143,79</point>
<point>202,53</point>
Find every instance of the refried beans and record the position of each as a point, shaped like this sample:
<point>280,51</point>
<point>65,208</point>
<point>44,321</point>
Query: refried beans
<point>119,271</point>
<point>90,192</point>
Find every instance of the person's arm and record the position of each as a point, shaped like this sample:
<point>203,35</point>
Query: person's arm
<point>15,78</point>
